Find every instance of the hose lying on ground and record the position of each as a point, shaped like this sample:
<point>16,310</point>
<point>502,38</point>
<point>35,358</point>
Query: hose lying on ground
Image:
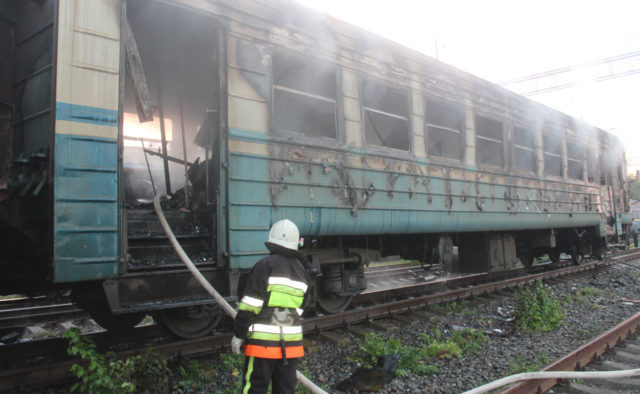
<point>553,375</point>
<point>308,384</point>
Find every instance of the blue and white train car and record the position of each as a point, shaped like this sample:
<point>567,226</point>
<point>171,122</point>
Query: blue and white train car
<point>249,111</point>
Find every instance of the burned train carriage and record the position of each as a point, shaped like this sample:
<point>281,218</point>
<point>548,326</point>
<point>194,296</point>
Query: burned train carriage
<point>247,112</point>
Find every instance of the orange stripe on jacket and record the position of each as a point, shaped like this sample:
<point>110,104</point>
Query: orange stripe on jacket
<point>272,351</point>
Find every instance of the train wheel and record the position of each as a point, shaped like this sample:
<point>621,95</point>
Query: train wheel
<point>576,256</point>
<point>526,259</point>
<point>94,302</point>
<point>333,303</point>
<point>600,253</point>
<point>554,255</point>
<point>192,321</point>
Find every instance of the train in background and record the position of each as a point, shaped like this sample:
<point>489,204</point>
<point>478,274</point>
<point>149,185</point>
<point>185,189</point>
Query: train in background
<point>249,111</point>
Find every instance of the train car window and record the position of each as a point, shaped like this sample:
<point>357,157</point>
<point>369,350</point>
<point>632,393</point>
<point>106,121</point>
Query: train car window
<point>444,123</point>
<point>386,121</point>
<point>524,150</point>
<point>575,161</point>
<point>304,96</point>
<point>488,141</point>
<point>552,145</point>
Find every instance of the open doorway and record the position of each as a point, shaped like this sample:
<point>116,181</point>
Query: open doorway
<point>179,62</point>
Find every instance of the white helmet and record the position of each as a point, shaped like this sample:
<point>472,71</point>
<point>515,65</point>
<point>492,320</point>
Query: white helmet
<point>284,233</point>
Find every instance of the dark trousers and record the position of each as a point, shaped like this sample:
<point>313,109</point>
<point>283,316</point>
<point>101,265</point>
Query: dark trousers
<point>635,239</point>
<point>258,372</point>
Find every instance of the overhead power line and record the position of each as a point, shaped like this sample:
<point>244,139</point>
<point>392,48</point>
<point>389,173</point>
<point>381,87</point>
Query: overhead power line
<point>568,77</point>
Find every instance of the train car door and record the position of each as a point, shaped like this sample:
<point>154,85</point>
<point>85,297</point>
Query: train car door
<point>85,173</point>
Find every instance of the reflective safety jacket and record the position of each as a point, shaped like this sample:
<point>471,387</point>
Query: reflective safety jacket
<point>269,311</point>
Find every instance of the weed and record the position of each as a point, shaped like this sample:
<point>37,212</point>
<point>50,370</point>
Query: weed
<point>537,309</point>
<point>469,339</point>
<point>520,366</point>
<point>583,294</point>
<point>234,364</point>
<point>425,369</point>
<point>447,349</point>
<point>465,341</point>
<point>194,376</point>
<point>589,292</point>
<point>410,359</point>
<point>105,373</point>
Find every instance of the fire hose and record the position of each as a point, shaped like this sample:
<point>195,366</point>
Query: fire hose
<point>308,384</point>
<point>553,375</point>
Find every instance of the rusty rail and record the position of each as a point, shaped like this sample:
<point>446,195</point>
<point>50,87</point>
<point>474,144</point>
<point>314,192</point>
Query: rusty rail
<point>581,357</point>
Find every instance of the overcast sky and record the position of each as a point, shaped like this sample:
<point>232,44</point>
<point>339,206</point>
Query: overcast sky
<point>500,40</point>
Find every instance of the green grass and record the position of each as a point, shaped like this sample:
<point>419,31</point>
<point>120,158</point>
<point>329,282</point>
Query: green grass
<point>424,359</point>
<point>234,364</point>
<point>581,295</point>
<point>520,365</point>
<point>195,376</point>
<point>410,359</point>
<point>537,308</point>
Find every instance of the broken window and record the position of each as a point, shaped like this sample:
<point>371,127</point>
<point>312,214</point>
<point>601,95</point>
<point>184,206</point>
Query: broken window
<point>552,155</point>
<point>304,96</point>
<point>575,160</point>
<point>444,123</point>
<point>488,141</point>
<point>524,152</point>
<point>386,121</point>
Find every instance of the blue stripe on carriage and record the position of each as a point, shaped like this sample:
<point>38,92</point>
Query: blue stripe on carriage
<point>84,114</point>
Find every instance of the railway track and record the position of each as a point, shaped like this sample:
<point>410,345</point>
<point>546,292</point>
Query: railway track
<point>616,349</point>
<point>45,363</point>
<point>18,317</point>
<point>49,370</point>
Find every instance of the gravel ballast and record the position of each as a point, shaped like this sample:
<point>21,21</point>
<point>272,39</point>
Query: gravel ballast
<point>584,318</point>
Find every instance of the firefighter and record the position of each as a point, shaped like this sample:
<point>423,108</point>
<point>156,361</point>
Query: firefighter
<point>268,320</point>
<point>635,229</point>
